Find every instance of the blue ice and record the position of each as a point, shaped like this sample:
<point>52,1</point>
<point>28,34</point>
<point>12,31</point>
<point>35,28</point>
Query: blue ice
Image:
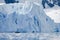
<point>4,38</point>
<point>35,21</point>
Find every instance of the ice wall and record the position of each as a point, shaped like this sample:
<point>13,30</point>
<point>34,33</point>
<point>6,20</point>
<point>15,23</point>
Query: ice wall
<point>25,18</point>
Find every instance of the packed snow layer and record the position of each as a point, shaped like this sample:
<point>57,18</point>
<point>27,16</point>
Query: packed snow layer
<point>31,36</point>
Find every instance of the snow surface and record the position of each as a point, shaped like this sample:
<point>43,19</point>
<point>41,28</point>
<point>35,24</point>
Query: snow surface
<point>53,13</point>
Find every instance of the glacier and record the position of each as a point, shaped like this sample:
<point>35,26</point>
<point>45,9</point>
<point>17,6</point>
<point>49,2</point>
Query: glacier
<point>25,17</point>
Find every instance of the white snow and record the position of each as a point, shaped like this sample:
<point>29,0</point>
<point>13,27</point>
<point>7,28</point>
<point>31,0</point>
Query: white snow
<point>53,13</point>
<point>2,3</point>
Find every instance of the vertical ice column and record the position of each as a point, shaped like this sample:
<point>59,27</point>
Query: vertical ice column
<point>23,19</point>
<point>8,20</point>
<point>47,24</point>
<point>12,19</point>
<point>57,29</point>
<point>3,22</point>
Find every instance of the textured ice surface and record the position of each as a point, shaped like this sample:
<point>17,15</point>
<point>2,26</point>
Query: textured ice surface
<point>31,36</point>
<point>25,17</point>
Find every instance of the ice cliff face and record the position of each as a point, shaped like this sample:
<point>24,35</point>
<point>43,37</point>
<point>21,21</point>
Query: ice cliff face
<point>25,18</point>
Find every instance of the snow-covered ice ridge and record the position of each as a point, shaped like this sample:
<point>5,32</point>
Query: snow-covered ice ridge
<point>53,13</point>
<point>31,36</point>
<point>25,18</point>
